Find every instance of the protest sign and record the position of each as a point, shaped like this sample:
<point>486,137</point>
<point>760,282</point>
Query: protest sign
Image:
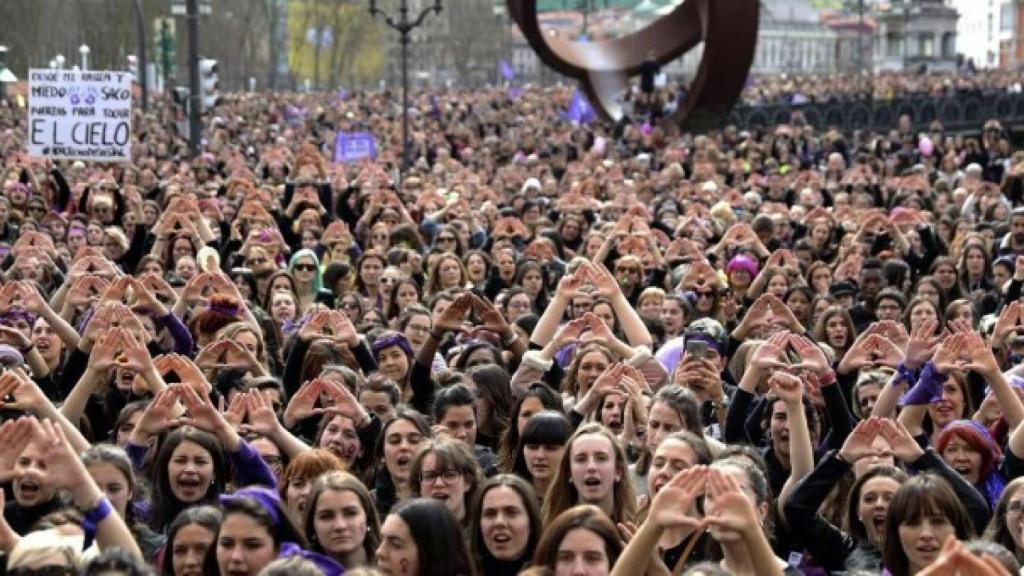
<point>80,115</point>
<point>354,146</point>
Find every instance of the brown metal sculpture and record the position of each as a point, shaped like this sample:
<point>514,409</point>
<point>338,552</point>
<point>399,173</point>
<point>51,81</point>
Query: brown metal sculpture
<point>728,29</point>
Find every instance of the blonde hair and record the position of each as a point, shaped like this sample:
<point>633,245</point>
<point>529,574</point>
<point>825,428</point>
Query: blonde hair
<point>40,544</point>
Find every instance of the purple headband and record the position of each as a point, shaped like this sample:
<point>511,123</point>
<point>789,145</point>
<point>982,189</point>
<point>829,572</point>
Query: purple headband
<point>395,339</point>
<point>19,186</point>
<point>268,499</point>
<point>15,314</point>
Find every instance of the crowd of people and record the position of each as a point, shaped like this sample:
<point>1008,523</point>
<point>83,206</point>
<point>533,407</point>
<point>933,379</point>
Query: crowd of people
<point>828,88</point>
<point>548,348</point>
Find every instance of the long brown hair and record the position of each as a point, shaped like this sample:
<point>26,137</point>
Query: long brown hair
<point>562,494</point>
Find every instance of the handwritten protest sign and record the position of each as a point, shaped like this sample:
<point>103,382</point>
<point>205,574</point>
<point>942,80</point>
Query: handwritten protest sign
<point>354,146</point>
<point>80,115</point>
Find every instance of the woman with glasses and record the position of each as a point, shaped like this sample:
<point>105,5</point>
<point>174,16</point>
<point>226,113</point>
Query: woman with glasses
<point>515,302</point>
<point>447,240</point>
<point>446,470</point>
<point>305,268</point>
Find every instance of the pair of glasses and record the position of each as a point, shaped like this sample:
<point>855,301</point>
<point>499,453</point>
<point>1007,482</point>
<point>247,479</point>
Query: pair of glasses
<point>708,295</point>
<point>445,239</point>
<point>449,476</point>
<point>256,261</point>
<point>349,306</point>
<point>305,267</point>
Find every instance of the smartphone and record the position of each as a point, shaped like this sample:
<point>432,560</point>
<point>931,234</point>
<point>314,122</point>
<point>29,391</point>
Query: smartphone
<point>696,349</point>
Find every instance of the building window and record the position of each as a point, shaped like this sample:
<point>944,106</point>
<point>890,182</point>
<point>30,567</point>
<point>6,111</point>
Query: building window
<point>893,44</point>
<point>927,45</point>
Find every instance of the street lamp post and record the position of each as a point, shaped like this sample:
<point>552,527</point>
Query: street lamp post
<point>140,24</point>
<point>405,26</point>
<point>59,60</point>
<point>83,50</point>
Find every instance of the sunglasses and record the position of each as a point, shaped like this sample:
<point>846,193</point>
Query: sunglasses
<point>305,267</point>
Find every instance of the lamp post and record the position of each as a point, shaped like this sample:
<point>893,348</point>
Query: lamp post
<point>59,61</point>
<point>83,50</point>
<point>404,25</point>
<point>140,24</point>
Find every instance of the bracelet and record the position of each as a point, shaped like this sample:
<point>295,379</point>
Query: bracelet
<point>27,349</point>
<point>93,517</point>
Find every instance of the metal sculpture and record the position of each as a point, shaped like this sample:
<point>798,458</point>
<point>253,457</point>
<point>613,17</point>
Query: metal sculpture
<point>728,29</point>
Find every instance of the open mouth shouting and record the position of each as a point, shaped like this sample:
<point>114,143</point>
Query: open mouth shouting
<point>190,487</point>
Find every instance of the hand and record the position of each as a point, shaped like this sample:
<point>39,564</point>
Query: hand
<point>489,315</point>
<point>135,355</point>
<point>14,337</point>
<point>788,388</point>
<point>894,331</point>
<point>903,444</point>
<point>783,315</point>
<point>303,404</point>
<point>32,301</point>
<point>979,356</point>
<point>158,416</point>
<point>235,412</point>
<point>732,508</point>
<point>106,353</point>
<point>189,374</point>
<point>947,357</point>
<point>955,560</point>
<point>758,316</point>
<point>345,403</point>
<point>604,281</point>
<point>858,443</point>
<point>64,467</point>
<point>858,356</point>
<point>342,327</point>
<point>598,329</point>
<point>570,286</point>
<point>768,355</point>
<point>262,418</point>
<point>144,301</point>
<point>17,435</point>
<point>26,394</point>
<point>672,505</point>
<point>922,344</point>
<point>884,352</point>
<point>454,316</point>
<point>811,357</point>
<point>1009,321</point>
<point>316,327</point>
<point>201,412</point>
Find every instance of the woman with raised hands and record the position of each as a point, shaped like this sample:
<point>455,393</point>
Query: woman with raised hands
<point>941,392</point>
<point>549,338</point>
<point>42,450</point>
<point>735,512</point>
<point>190,467</point>
<point>869,453</point>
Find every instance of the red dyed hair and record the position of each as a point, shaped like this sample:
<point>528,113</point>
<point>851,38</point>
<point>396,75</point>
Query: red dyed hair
<point>977,437</point>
